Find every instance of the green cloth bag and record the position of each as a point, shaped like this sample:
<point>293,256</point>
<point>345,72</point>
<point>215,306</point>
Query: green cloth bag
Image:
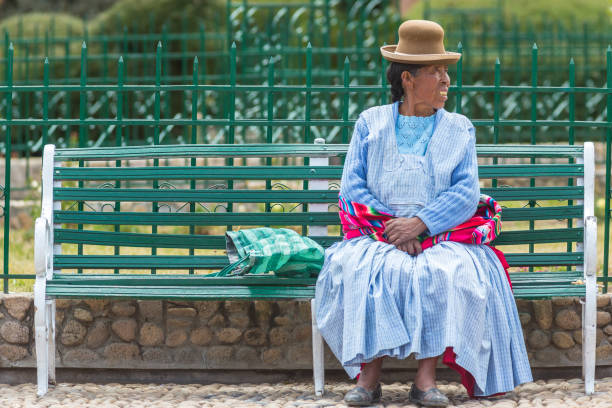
<point>281,251</point>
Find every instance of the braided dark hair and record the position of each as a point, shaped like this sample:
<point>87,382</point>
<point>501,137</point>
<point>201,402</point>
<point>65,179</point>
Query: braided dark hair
<point>394,78</point>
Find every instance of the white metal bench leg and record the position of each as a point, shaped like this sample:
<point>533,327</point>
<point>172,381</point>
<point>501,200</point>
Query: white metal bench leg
<point>318,365</point>
<point>589,308</point>
<point>41,337</point>
<point>51,339</point>
<point>589,328</point>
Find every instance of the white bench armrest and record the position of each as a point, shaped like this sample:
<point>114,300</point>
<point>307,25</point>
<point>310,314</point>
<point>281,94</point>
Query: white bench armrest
<point>43,249</point>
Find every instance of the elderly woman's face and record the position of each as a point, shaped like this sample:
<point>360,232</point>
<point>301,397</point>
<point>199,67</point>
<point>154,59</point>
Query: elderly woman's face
<point>430,86</point>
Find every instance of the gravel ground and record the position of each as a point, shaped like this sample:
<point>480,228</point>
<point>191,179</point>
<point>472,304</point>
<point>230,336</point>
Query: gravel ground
<point>551,393</point>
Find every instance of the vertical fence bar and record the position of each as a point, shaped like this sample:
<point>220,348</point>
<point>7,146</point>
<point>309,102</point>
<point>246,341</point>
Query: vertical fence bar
<point>28,96</point>
<point>165,72</point>
<point>360,61</point>
<point>228,23</point>
<point>459,79</point>
<point>608,166</point>
<point>67,105</point>
<point>194,139</point>
<point>585,50</point>
<point>270,118</point>
<point>82,126</point>
<point>119,133</point>
<point>307,136</point>
<point>534,117</point>
<point>46,44</point>
<point>45,130</point>
<point>346,99</point>
<point>157,113</point>
<point>571,130</point>
<point>383,80</point>
<point>232,119</point>
<point>7,163</point>
<point>126,96</point>
<point>20,97</point>
<point>307,108</point>
<point>496,98</point>
<point>516,56</point>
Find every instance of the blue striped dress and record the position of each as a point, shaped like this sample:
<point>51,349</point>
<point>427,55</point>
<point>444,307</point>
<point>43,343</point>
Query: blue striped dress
<point>374,300</point>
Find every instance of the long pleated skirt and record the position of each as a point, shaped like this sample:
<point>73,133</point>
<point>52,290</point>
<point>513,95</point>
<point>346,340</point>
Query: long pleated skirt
<point>374,300</point>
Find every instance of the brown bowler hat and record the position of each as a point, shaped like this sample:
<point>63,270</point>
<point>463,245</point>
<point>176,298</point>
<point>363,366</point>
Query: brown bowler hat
<point>420,42</point>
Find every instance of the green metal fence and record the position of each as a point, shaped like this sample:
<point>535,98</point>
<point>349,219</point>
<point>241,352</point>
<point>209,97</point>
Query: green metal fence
<point>257,112</point>
<point>283,30</point>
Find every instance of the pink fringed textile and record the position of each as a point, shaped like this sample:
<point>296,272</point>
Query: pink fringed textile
<point>484,226</point>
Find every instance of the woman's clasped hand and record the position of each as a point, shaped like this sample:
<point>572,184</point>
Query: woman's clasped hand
<point>404,232</point>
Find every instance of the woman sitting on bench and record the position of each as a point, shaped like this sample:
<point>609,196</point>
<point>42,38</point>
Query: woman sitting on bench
<point>411,172</point>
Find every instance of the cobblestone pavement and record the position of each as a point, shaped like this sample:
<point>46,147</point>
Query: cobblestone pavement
<point>551,393</point>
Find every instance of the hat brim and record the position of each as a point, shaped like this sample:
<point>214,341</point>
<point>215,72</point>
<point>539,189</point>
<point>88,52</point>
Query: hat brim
<point>388,52</point>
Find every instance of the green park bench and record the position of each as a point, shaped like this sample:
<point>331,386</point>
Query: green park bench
<point>85,199</point>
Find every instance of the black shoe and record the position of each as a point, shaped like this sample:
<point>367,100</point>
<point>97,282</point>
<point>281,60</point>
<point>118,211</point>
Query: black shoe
<point>359,396</point>
<point>430,398</point>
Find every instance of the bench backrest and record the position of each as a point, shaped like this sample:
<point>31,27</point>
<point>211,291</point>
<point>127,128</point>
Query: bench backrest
<point>160,209</point>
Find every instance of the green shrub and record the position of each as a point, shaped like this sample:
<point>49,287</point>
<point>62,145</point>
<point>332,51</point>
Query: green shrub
<point>141,16</point>
<point>35,25</point>
<point>155,16</point>
<point>538,13</point>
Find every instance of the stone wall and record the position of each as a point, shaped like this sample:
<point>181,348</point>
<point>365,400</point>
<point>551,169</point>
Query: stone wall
<point>244,335</point>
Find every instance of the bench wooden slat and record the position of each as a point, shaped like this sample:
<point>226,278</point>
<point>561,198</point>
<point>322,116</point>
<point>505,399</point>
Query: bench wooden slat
<point>139,261</point>
<point>549,292</point>
<point>545,259</point>
<point>57,288</point>
<point>509,150</point>
<point>129,239</point>
<point>219,262</point>
<point>289,218</point>
<point>545,278</point>
<point>530,170</point>
<point>518,278</point>
<point>182,195</point>
<point>199,173</point>
<point>198,150</point>
<point>285,172</point>
<point>180,292</point>
<point>540,236</point>
<point>542,213</point>
<point>196,219</point>
<point>293,150</point>
<point>534,193</point>
<point>284,196</point>
<point>178,280</point>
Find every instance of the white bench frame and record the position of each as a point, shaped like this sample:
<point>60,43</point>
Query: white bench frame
<point>44,249</point>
